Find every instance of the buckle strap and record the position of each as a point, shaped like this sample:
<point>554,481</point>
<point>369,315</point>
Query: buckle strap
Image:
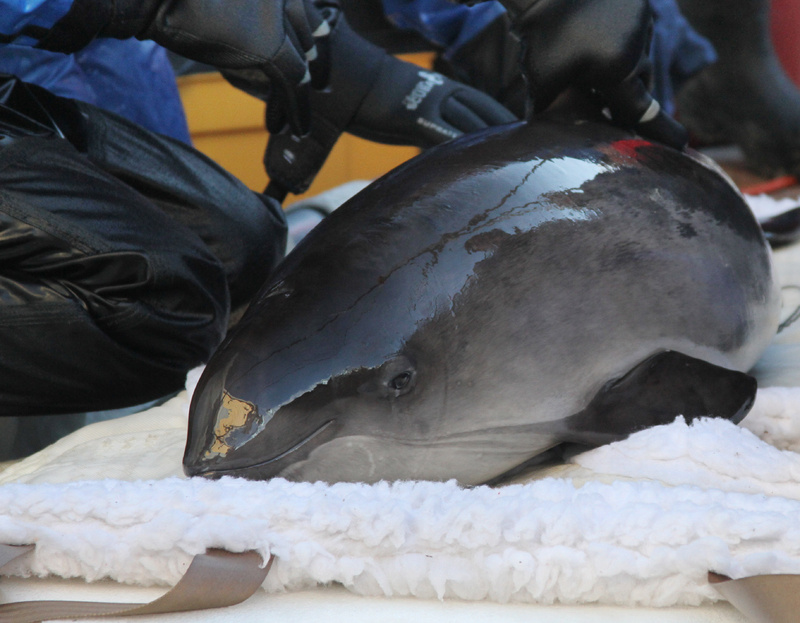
<point>761,598</point>
<point>215,579</point>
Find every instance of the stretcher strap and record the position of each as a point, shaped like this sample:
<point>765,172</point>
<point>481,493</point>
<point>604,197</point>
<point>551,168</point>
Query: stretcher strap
<point>762,598</point>
<point>215,579</point>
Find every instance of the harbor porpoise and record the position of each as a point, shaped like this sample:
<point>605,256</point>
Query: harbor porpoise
<point>509,291</point>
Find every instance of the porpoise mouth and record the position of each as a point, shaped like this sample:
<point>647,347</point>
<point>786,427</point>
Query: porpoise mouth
<point>242,470</point>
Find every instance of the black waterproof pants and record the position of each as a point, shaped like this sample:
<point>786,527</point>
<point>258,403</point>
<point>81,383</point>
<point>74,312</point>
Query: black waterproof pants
<point>123,257</point>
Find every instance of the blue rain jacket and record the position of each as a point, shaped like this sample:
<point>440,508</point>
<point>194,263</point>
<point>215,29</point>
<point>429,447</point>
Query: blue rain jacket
<point>131,78</point>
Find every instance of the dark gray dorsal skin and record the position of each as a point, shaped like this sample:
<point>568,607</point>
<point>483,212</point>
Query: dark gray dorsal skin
<point>450,319</point>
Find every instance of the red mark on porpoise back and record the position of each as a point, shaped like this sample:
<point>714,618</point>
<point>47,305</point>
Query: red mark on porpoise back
<point>630,147</point>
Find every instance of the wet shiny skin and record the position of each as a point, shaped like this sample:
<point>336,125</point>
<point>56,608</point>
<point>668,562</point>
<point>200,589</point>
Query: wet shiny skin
<point>444,322</point>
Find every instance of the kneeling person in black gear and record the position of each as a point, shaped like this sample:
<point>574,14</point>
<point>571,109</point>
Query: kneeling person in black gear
<point>127,254</point>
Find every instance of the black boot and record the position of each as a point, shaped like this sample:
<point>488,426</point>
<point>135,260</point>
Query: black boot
<point>745,98</point>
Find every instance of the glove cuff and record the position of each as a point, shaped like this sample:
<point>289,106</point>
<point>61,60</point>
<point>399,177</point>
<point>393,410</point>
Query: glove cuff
<point>342,102</point>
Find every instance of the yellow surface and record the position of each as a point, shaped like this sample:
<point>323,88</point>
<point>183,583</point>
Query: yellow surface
<point>228,126</point>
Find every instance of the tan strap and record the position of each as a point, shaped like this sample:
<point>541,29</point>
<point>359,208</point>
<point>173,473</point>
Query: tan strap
<point>213,580</point>
<point>762,598</point>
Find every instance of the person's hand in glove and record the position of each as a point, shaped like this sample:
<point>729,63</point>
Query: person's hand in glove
<point>597,45</point>
<point>376,96</point>
<point>381,98</point>
<point>273,37</point>
<point>407,105</point>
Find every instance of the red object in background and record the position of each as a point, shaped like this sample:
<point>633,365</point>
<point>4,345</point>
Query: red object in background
<point>770,186</point>
<point>785,20</point>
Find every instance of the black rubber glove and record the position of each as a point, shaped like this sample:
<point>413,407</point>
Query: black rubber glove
<point>394,102</point>
<point>599,45</point>
<point>276,37</point>
<point>380,98</point>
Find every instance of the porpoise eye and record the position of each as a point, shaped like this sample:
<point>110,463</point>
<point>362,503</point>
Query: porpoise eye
<point>401,381</point>
<point>394,378</point>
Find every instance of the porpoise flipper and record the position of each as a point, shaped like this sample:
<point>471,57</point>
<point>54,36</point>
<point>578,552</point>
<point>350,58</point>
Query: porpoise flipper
<point>557,455</point>
<point>655,392</point>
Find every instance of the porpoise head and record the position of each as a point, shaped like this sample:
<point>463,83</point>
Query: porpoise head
<point>339,370</point>
<point>351,372</point>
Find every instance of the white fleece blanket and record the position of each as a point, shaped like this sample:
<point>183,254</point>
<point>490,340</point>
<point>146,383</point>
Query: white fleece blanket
<point>635,523</point>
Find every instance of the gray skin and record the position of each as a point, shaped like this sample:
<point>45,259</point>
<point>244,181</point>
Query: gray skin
<point>449,319</point>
